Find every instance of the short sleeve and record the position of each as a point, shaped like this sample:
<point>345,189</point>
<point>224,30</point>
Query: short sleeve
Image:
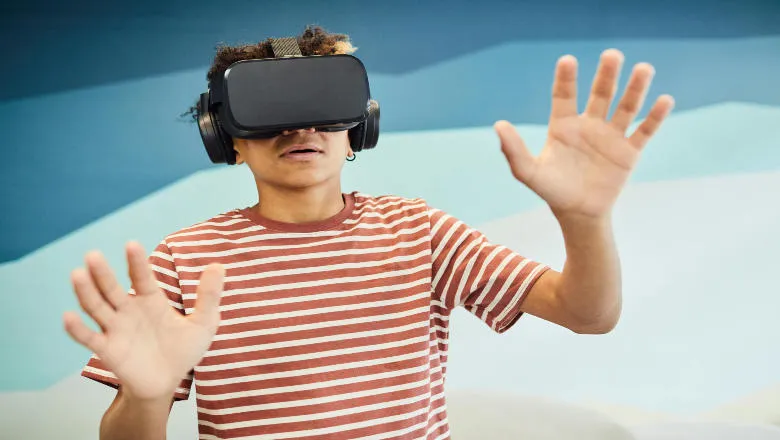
<point>487,279</point>
<point>164,268</point>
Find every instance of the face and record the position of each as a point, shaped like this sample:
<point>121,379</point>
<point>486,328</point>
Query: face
<point>296,159</point>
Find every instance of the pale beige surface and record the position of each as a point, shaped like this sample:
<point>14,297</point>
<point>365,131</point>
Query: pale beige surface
<point>72,410</point>
<point>763,406</point>
<point>480,416</point>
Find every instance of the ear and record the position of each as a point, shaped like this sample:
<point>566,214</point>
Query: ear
<point>350,153</point>
<point>238,145</point>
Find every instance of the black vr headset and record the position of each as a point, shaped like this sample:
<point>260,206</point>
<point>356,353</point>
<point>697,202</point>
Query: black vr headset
<point>262,98</point>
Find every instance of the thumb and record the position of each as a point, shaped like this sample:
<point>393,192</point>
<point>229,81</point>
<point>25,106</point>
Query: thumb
<point>208,295</point>
<point>521,161</point>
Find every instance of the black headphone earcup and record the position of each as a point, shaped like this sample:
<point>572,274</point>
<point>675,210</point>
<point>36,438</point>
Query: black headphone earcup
<point>356,136</point>
<point>219,145</point>
<point>371,136</point>
<point>226,143</point>
<point>366,135</point>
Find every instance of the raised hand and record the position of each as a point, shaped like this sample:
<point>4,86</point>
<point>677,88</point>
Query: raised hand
<point>146,343</point>
<point>587,159</point>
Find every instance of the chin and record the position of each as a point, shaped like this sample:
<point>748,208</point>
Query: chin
<point>296,180</point>
<point>302,182</point>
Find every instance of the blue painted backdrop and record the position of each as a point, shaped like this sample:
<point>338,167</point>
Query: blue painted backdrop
<point>95,152</point>
<point>92,90</point>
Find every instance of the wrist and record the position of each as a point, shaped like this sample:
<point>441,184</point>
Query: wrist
<point>131,418</point>
<point>572,222</point>
<point>151,401</point>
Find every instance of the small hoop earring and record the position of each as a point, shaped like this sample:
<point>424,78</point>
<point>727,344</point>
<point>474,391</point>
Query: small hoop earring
<point>351,158</point>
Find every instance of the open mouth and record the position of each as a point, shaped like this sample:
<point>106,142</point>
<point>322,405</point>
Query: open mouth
<point>303,151</point>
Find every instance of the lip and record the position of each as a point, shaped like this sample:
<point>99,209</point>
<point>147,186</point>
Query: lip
<point>301,147</point>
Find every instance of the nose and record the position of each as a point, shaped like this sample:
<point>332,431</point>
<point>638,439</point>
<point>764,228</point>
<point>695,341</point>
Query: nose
<point>301,130</point>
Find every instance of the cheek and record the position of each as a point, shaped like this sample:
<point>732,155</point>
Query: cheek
<point>260,163</point>
<point>257,158</point>
<point>252,150</point>
<point>339,141</point>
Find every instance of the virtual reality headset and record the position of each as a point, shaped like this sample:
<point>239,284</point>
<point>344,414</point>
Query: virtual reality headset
<point>263,98</point>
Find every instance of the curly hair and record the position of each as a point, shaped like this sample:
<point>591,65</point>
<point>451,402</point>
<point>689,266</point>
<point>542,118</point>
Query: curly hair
<point>313,41</point>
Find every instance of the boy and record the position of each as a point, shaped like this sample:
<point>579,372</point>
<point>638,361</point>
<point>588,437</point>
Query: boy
<point>317,314</point>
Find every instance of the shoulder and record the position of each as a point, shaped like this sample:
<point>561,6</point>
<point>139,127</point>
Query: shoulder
<point>394,205</point>
<point>390,204</point>
<point>224,225</point>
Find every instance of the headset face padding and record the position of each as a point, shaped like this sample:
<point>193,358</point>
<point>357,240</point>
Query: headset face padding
<point>219,144</point>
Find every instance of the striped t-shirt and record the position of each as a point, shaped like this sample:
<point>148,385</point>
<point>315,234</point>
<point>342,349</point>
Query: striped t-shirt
<point>335,329</point>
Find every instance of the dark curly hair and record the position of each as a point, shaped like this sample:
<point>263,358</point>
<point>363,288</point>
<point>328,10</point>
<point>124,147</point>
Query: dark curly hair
<point>313,41</point>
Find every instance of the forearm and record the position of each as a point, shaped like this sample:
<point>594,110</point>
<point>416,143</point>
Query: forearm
<point>589,287</point>
<point>129,418</point>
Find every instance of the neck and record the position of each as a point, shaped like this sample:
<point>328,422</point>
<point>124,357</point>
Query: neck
<point>300,205</point>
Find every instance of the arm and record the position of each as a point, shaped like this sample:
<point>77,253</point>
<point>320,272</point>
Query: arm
<point>146,347</point>
<point>485,278</point>
<point>586,296</point>
<point>129,418</point>
<point>580,172</point>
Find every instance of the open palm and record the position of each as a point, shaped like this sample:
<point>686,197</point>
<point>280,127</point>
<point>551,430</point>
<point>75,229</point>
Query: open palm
<point>146,343</point>
<point>587,159</point>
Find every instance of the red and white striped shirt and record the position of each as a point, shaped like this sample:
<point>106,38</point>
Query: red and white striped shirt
<point>336,329</point>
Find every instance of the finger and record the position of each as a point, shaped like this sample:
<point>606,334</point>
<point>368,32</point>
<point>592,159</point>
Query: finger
<point>208,295</point>
<point>634,97</point>
<point>140,270</point>
<point>604,84</point>
<point>90,299</point>
<point>103,278</point>
<point>82,334</point>
<point>564,91</point>
<point>658,113</point>
<point>521,161</point>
